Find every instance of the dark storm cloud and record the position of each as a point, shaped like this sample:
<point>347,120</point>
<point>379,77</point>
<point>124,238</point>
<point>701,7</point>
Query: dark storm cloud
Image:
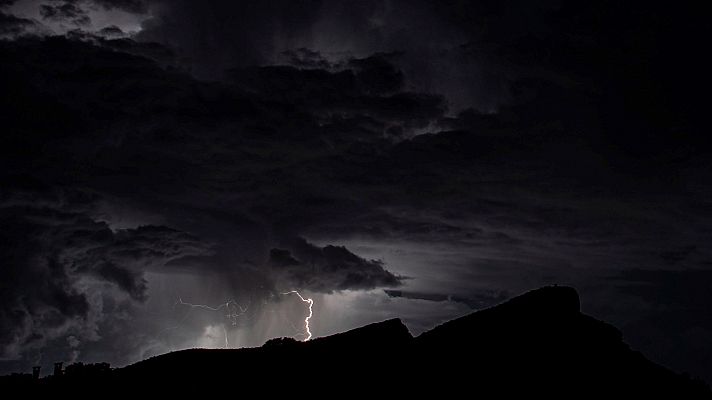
<point>12,26</point>
<point>221,34</point>
<point>472,52</point>
<point>67,11</point>
<point>59,262</point>
<point>133,6</point>
<point>307,58</point>
<point>461,49</point>
<point>329,268</point>
<point>112,32</point>
<point>365,92</point>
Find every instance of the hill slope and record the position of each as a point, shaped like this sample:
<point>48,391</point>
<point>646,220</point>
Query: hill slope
<point>536,344</point>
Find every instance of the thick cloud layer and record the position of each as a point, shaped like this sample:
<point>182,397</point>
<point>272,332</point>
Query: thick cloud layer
<point>134,6</point>
<point>329,268</point>
<point>65,12</point>
<point>154,171</point>
<point>12,26</point>
<point>63,272</point>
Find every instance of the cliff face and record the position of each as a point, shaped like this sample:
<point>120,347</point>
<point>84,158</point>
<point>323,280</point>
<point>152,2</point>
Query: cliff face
<point>536,344</point>
<point>541,342</point>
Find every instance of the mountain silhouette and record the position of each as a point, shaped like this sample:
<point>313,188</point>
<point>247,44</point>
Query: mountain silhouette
<point>537,344</point>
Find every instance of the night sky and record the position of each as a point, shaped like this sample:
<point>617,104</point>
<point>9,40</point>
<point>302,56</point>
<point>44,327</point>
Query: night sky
<point>413,159</point>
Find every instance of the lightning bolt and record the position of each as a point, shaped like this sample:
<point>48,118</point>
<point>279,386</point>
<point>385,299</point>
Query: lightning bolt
<point>227,344</point>
<point>232,315</point>
<point>306,320</point>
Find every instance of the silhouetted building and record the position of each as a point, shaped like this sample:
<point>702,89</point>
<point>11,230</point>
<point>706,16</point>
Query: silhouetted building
<point>36,372</point>
<point>58,369</point>
<point>80,370</point>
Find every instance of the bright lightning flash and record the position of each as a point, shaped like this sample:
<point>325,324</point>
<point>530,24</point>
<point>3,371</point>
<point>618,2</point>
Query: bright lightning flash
<point>306,320</point>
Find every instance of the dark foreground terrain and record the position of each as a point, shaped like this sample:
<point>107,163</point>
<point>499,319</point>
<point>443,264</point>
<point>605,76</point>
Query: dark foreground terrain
<point>535,344</point>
